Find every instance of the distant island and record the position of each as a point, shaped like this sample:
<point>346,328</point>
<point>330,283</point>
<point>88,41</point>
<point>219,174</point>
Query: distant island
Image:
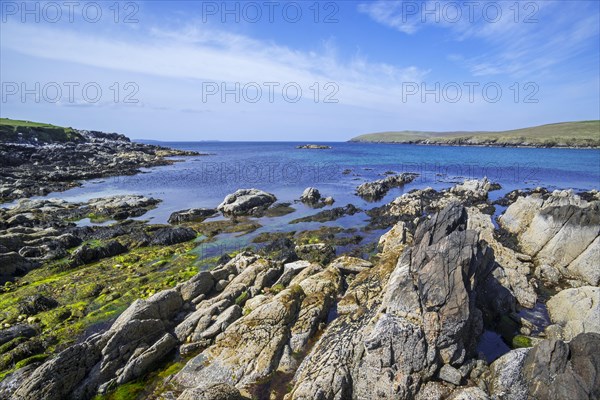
<point>582,134</point>
<point>314,147</point>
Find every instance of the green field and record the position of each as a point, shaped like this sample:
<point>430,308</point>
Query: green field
<point>16,131</point>
<point>565,134</point>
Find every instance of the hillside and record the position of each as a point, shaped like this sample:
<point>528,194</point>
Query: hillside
<point>566,134</point>
<point>16,131</point>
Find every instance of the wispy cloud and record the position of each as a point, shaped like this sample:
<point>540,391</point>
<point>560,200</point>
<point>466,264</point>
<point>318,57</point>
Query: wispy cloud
<point>519,39</point>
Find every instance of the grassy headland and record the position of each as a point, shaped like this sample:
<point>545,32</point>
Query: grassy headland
<point>13,131</point>
<point>565,134</point>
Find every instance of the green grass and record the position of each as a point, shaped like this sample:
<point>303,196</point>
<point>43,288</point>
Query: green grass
<point>12,130</point>
<point>565,134</point>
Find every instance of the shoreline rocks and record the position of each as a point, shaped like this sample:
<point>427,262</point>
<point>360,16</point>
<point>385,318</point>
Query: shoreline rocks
<point>40,168</point>
<point>405,323</point>
<point>376,190</point>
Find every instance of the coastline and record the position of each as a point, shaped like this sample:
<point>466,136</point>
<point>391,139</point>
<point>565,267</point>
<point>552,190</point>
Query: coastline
<point>78,276</point>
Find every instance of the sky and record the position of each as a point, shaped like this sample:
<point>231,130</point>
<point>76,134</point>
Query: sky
<point>298,70</point>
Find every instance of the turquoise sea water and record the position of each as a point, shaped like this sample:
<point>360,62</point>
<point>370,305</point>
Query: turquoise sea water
<point>280,168</point>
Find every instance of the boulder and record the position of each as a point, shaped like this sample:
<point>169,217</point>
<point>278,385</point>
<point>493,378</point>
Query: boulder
<point>574,311</point>
<point>560,230</point>
<point>550,370</point>
<point>310,196</point>
<point>191,215</point>
<point>246,202</point>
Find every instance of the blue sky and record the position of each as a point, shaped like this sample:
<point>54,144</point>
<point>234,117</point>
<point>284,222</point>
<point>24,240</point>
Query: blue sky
<point>194,70</point>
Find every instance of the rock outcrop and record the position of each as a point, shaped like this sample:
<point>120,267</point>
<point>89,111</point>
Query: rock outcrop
<point>246,202</point>
<point>191,215</point>
<point>560,231</point>
<point>550,370</point>
<point>377,189</point>
<point>395,336</point>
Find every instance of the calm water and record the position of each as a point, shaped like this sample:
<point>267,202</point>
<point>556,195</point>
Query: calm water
<point>280,168</point>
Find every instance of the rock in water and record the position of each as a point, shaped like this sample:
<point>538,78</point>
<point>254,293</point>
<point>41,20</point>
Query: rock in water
<point>246,202</point>
<point>310,196</point>
<point>377,189</point>
<point>191,215</point>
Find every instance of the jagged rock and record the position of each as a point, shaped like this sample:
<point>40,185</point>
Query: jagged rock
<point>169,236</point>
<point>246,202</point>
<point>351,264</point>
<point>280,249</point>
<point>471,393</point>
<point>507,381</point>
<point>265,331</point>
<point>575,311</point>
<point>138,365</point>
<point>225,319</point>
<point>552,369</point>
<point>82,370</point>
<point>426,316</point>
<point>252,275</point>
<point>511,272</point>
<point>561,230</point>
<point>394,238</point>
<point>200,284</point>
<point>475,189</point>
<point>377,189</point>
<point>191,215</point>
<point>310,196</point>
<point>320,253</point>
<point>12,381</point>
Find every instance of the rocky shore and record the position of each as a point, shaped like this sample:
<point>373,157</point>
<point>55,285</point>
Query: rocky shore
<point>119,308</point>
<point>30,167</point>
